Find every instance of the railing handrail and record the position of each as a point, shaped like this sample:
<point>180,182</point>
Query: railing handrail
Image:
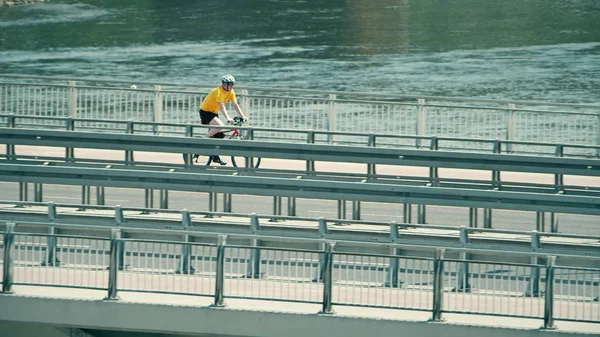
<point>308,91</point>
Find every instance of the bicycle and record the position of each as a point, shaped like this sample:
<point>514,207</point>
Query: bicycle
<point>234,133</point>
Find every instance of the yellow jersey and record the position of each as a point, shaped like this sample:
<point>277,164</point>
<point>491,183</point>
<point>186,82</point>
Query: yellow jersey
<point>216,96</point>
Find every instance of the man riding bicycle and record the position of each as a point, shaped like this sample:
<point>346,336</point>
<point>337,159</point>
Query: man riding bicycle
<point>213,103</point>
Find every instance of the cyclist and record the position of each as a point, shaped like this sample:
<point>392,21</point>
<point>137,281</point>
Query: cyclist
<point>213,103</point>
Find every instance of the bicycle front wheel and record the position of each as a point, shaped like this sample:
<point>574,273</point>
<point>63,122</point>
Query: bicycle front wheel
<point>245,162</point>
<point>241,161</point>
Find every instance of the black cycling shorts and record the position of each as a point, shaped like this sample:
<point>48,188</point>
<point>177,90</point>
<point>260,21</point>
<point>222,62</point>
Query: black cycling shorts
<point>206,116</point>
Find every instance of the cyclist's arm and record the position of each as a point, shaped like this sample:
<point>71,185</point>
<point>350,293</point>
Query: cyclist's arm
<point>237,108</point>
<point>225,113</point>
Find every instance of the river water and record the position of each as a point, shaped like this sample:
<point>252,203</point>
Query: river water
<point>511,49</point>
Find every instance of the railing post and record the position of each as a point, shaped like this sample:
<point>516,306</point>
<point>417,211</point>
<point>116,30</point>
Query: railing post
<point>119,218</point>
<point>227,202</point>
<point>421,121</point>
<point>52,211</point>
<point>100,199</point>
<point>113,266</point>
<point>277,205</point>
<point>553,223</point>
<point>11,121</point>
<point>341,210</point>
<point>38,192</point>
<point>356,210</point>
<point>158,106</point>
<point>323,231</point>
<point>72,99</point>
<point>434,176</point>
<point>51,258</point>
<point>332,118</point>
<point>438,285</point>
<point>291,201</point>
<point>533,286</point>
<point>407,213</point>
<point>473,221</point>
<point>392,279</point>
<point>496,175</point>
<point>148,199</point>
<point>462,277</point>
<point>422,214</point>
<point>186,219</point>
<point>510,127</point>
<point>70,151</point>
<point>212,203</point>
<point>253,269</point>
<point>85,195</point>
<point>164,199</point>
<point>23,191</point>
<point>185,262</point>
<point>10,148</point>
<point>7,271</point>
<point>129,153</point>
<point>187,157</point>
<point>310,164</point>
<point>487,218</point>
<point>371,169</point>
<point>328,279</point>
<point>549,295</point>
<point>540,221</point>
<point>220,277</point>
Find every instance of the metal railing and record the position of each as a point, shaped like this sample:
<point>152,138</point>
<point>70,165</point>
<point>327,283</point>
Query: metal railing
<point>439,284</point>
<point>307,109</point>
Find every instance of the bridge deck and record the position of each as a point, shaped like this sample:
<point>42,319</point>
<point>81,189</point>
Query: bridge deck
<point>159,301</point>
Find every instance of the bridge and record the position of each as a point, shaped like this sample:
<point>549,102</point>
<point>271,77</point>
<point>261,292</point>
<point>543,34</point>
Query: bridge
<point>294,274</point>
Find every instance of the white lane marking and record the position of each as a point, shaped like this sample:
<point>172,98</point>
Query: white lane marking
<point>79,198</point>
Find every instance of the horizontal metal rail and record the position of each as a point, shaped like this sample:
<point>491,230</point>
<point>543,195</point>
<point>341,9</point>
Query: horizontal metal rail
<point>256,183</point>
<point>308,152</point>
<point>311,136</point>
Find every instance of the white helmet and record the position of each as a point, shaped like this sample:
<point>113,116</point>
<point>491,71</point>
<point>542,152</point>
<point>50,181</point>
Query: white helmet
<point>228,79</point>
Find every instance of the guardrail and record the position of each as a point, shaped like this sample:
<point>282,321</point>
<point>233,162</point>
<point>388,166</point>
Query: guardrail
<point>307,152</point>
<point>146,223</point>
<point>268,184</point>
<point>307,109</point>
<point>438,284</point>
<point>309,136</point>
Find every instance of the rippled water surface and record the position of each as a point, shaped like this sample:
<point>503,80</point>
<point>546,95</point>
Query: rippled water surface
<point>511,49</point>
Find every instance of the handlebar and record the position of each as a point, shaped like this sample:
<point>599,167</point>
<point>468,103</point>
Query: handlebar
<point>238,121</point>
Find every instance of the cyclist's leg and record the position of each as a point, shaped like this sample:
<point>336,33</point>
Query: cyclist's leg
<point>216,133</point>
<point>214,121</point>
